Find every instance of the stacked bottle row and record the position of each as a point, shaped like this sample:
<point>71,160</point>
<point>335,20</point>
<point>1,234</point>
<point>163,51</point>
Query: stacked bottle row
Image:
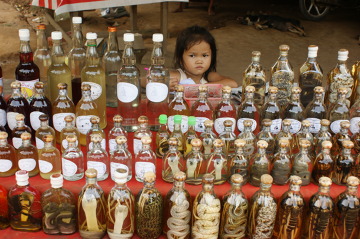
<point>120,214</point>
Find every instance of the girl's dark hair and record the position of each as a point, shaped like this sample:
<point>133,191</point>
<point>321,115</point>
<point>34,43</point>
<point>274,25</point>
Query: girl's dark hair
<point>190,37</point>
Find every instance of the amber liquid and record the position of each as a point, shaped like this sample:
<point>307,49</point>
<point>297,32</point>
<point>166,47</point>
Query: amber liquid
<point>18,105</point>
<point>322,167</point>
<point>8,157</point>
<point>76,88</point>
<point>30,164</point>
<point>16,133</point>
<point>4,210</point>
<point>62,106</point>
<point>42,105</point>
<point>52,163</point>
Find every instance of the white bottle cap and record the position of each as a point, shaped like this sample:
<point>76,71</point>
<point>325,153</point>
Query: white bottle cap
<point>56,35</point>
<point>91,36</point>
<point>120,175</point>
<point>56,180</point>
<point>129,37</point>
<point>312,51</point>
<point>24,34</point>
<point>157,37</point>
<point>22,178</point>
<point>77,20</point>
<point>343,54</point>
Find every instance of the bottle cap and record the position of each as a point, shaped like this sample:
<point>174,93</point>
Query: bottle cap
<point>196,143</point>
<point>95,120</point>
<point>149,177</point>
<point>236,178</point>
<point>69,118</point>
<point>343,54</point>
<point>296,90</point>
<point>343,90</point>
<point>77,20</point>
<point>218,143</point>
<point>56,35</point>
<point>250,89</point>
<point>208,123</point>
<point>19,117</point>
<point>146,140</point>
<point>177,119</point>
<point>284,48</point>
<point>240,143</point>
<point>352,181</point>
<point>85,87</point>
<point>43,117</point>
<point>203,88</point>
<point>96,138</point>
<point>117,119</point>
<point>25,136</point>
<point>266,179</point>
<point>306,123</point>
<point>284,143</point>
<point>157,37</point>
<point>325,122</point>
<point>326,144</point>
<point>39,85</point>
<point>179,88</point>
<point>319,89</point>
<point>48,138</point>
<point>41,27</point>
<point>24,34</point>
<point>286,122</point>
<point>3,135</point>
<point>22,178</point>
<point>179,176</point>
<point>91,173</point>
<point>120,175</point>
<point>325,181</point>
<point>312,51</point>
<point>62,86</point>
<point>15,85</point>
<point>226,90</point>
<point>112,29</point>
<point>162,119</point>
<point>266,122</point>
<point>256,55</point>
<point>305,143</point>
<point>128,37</point>
<point>262,144</point>
<point>143,119</point>
<point>121,139</point>
<point>348,144</point>
<point>208,178</point>
<point>71,138</point>
<point>191,120</point>
<point>228,123</point>
<point>173,141</point>
<point>56,180</point>
<point>273,90</point>
<point>91,36</point>
<point>248,123</point>
<point>296,180</point>
<point>345,124</point>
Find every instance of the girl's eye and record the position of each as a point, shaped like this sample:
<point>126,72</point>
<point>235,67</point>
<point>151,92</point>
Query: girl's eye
<point>205,55</point>
<point>192,55</point>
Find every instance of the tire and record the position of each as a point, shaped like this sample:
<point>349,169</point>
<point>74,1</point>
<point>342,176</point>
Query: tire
<point>312,10</point>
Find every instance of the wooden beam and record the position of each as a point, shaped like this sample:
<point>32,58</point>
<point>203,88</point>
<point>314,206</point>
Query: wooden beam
<point>57,27</point>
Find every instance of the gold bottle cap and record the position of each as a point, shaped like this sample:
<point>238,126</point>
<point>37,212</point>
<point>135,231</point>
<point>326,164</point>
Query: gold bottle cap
<point>62,86</point>
<point>71,138</point>
<point>250,89</point>
<point>319,89</point>
<point>48,138</point>
<point>343,90</point>
<point>196,143</point>
<point>283,143</point>
<point>173,141</point>
<point>273,90</point>
<point>325,122</point>
<point>352,181</point>
<point>85,87</point>
<point>43,117</point>
<point>146,140</point>
<point>203,88</point>
<point>96,138</point>
<point>296,90</point>
<point>91,173</point>
<point>296,180</point>
<point>226,90</point>
<point>345,124</point>
<point>240,143</point>
<point>69,118</point>
<point>348,144</point>
<point>121,139</point>
<point>143,119</point>
<point>286,122</point>
<point>149,177</point>
<point>228,123</point>
<point>262,144</point>
<point>284,47</point>
<point>325,181</point>
<point>306,123</point>
<point>256,53</point>
<point>248,123</point>
<point>179,176</point>
<point>305,143</point>
<point>236,178</point>
<point>3,135</point>
<point>112,29</point>
<point>179,88</point>
<point>266,122</point>
<point>19,117</point>
<point>15,85</point>
<point>208,178</point>
<point>117,118</point>
<point>39,85</point>
<point>326,144</point>
<point>25,136</point>
<point>266,179</point>
<point>41,27</point>
<point>95,120</point>
<point>208,123</point>
<point>218,143</point>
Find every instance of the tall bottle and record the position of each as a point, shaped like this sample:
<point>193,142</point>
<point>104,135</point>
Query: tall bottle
<point>145,160</point>
<point>316,110</point>
<point>27,156</point>
<point>43,130</point>
<point>39,105</point>
<point>3,105</point>
<point>208,138</point>
<point>73,162</point>
<point>120,207</point>
<point>121,158</point>
<point>177,133</point>
<point>91,208</point>
<point>117,130</point>
<point>143,130</point>
<point>285,133</point>
<point>195,163</point>
<point>225,110</point>
<point>249,138</point>
<point>303,163</point>
<point>323,164</point>
<point>76,58</point>
<point>305,133</point>
<point>98,158</point>
<point>322,136</point>
<point>261,164</point>
<point>173,161</point>
<point>94,75</point>
<point>4,212</point>
<point>69,129</point>
<point>217,163</point>
<point>18,130</point>
<point>202,109</point>
<point>345,164</point>
<point>24,204</point>
<point>95,129</point>
<point>190,134</point>
<point>8,165</point>
<point>339,111</point>
<point>340,137</point>
<point>265,134</point>
<point>58,205</point>
<point>239,164</point>
<point>228,138</point>
<point>157,88</point>
<point>311,76</point>
<point>49,158</point>
<point>26,72</point>
<point>282,76</point>
<point>162,136</point>
<point>178,106</point>
<point>282,164</point>
<point>249,111</point>
<point>295,110</point>
<point>128,86</point>
<point>271,110</point>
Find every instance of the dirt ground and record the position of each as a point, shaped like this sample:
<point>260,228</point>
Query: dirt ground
<point>235,42</point>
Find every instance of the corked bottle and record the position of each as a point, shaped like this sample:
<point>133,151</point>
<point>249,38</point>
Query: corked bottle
<point>323,164</point>
<point>27,155</point>
<point>195,163</point>
<point>8,164</point>
<point>228,137</point>
<point>173,161</point>
<point>345,164</point>
<point>261,164</point>
<point>282,164</point>
<point>217,163</point>
<point>239,164</point>
<point>303,163</point>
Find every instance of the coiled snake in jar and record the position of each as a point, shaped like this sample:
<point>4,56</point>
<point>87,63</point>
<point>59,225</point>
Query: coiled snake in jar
<point>178,223</point>
<point>265,221</point>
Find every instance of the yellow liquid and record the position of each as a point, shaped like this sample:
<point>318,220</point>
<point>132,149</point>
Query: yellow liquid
<point>61,108</point>
<point>59,73</point>
<point>85,109</point>
<point>52,162</point>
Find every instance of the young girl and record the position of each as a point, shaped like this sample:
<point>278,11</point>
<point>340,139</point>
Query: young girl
<point>195,59</point>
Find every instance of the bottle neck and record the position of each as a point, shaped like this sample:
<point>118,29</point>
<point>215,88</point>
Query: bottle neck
<point>77,40</point>
<point>179,95</point>
<point>86,95</point>
<point>26,55</point>
<point>352,190</point>
<point>342,99</point>
<point>303,150</point>
<point>247,129</point>
<point>346,152</point>
<point>191,128</point>
<point>284,151</point>
<point>173,148</point>
<point>128,57</point>
<point>41,42</point>
<point>324,190</point>
<point>239,151</point>
<point>319,99</point>
<point>236,187</point>
<point>44,124</point>
<point>145,147</point>
<point>344,131</point>
<point>249,98</point>
<point>72,145</point>
<point>311,59</point>
<point>57,54</point>
<point>273,98</point>
<point>208,130</point>
<point>112,42</point>
<point>208,188</point>
<point>324,128</point>
<point>228,129</point>
<point>295,98</point>
<point>16,93</point>
<point>283,56</point>
<point>265,188</point>
<point>326,151</point>
<point>226,98</point>
<point>3,142</point>
<point>96,145</point>
<point>262,151</point>
<point>120,146</point>
<point>63,93</point>
<point>286,128</point>
<point>295,188</point>
<point>20,123</point>
<point>255,60</point>
<point>143,127</point>
<point>306,129</point>
<point>178,186</point>
<point>149,185</point>
<point>117,124</point>
<point>48,145</point>
<point>195,149</point>
<point>25,47</point>
<point>120,185</point>
<point>39,93</point>
<point>95,126</point>
<point>92,57</point>
<point>266,129</point>
<point>217,150</point>
<point>157,57</point>
<point>69,124</point>
<point>91,180</point>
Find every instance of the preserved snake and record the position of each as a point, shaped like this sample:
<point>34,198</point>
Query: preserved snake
<point>235,217</point>
<point>265,221</point>
<point>178,222</point>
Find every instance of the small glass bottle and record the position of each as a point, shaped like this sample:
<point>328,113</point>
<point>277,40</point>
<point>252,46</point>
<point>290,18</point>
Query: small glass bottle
<point>177,133</point>
<point>260,165</point>
<point>162,137</point>
<point>98,158</point>
<point>285,133</point>
<point>248,110</point>
<point>265,134</point>
<point>303,163</point>
<point>143,130</point>
<point>43,130</point>
<point>121,158</point>
<point>225,110</point>
<point>339,111</point>
<point>316,110</point>
<point>173,161</point>
<point>39,105</point>
<point>190,134</point>
<point>356,139</point>
<point>145,159</point>
<point>305,133</point>
<point>291,211</point>
<point>95,129</point>
<point>120,207</point>
<point>235,211</point>
<point>282,164</point>
<point>239,164</point>
<point>345,164</point>
<point>8,165</point>
<point>59,207</point>
<point>69,129</point>
<point>271,110</point>
<point>117,130</point>
<point>24,204</point>
<point>4,208</point>
<point>295,110</point>
<point>323,164</point>
<point>202,109</point>
<point>149,209</point>
<point>319,216</point>
<point>195,163</point>
<point>249,137</point>
<point>178,106</point>
<point>355,116</point>
<point>210,217</point>
<point>208,138</point>
<point>355,72</point>
<point>217,163</point>
<point>177,209</point>
<point>73,162</point>
<point>27,155</point>
<point>323,135</point>
<point>91,208</point>
<point>3,105</point>
<point>263,208</point>
<point>228,137</point>
<point>49,158</point>
<point>18,130</point>
<point>340,137</point>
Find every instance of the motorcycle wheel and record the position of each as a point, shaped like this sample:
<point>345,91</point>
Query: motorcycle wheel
<point>312,10</point>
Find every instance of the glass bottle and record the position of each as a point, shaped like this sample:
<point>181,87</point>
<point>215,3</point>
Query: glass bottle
<point>128,86</point>
<point>173,161</point>
<point>282,76</point>
<point>177,209</point>
<point>43,130</point>
<point>260,165</point>
<point>42,57</point>
<point>58,71</point>
<point>217,163</point>
<point>265,134</point>
<point>3,105</point>
<point>94,75</point>
<point>295,110</point>
<point>143,130</point>
<point>202,109</point>
<point>157,89</point>
<point>91,208</point>
<point>316,110</point>
<point>355,72</point>
<point>27,155</point>
<point>285,133</point>
<point>145,159</point>
<point>39,105</point>
<point>76,58</point>
<point>117,130</point>
<point>121,158</point>
<point>69,129</point>
<point>323,135</point>
<point>305,133</point>
<point>49,158</point>
<point>356,139</point>
<point>235,211</point>
<point>311,76</point>
<point>262,210</point>
<point>303,163</point>
<point>85,109</point>
<point>162,137</point>
<point>225,110</point>
<point>26,72</point>
<point>149,209</point>
<point>24,204</point>
<point>111,63</point>
<point>345,164</point>
<point>291,211</point>
<point>16,104</point>
<point>62,107</point>
<point>120,207</point>
<point>249,137</point>
<point>206,198</point>
<point>177,133</point>
<point>59,207</point>
<point>98,158</point>
<point>228,138</point>
<point>208,137</point>
<point>73,162</point>
<point>4,211</point>
<point>271,110</point>
<point>8,165</point>
<point>355,116</point>
<point>178,106</point>
<point>323,164</point>
<point>340,137</point>
<point>190,134</point>
<point>18,130</point>
<point>282,164</point>
<point>346,212</point>
<point>195,163</point>
<point>239,164</point>
<point>339,111</point>
<point>248,111</point>
<point>319,216</point>
<point>95,129</point>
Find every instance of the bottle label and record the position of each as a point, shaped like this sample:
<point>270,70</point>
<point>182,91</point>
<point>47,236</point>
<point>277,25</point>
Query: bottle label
<point>335,126</point>
<point>5,165</point>
<point>112,145</point>
<point>127,92</point>
<point>2,117</point>
<point>315,125</point>
<point>39,143</point>
<point>34,119</point>
<point>99,166</point>
<point>45,166</point>
<point>59,120</point>
<point>137,145</point>
<point>11,119</point>
<point>65,143</point>
<point>156,92</point>
<point>103,144</point>
<point>295,126</point>
<point>27,88</point>
<point>240,124</point>
<point>96,89</point>
<point>27,164</point>
<point>17,142</point>
<point>68,168</point>
<point>354,125</point>
<point>184,123</point>
<point>275,126</point>
<point>114,166</point>
<point>142,167</point>
<point>199,125</point>
<point>83,123</point>
<point>219,124</point>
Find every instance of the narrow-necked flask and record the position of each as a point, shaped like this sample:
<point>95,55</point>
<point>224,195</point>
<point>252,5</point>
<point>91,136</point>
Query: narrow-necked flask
<point>217,163</point>
<point>294,111</point>
<point>303,163</point>
<point>117,130</point>
<point>265,134</point>
<point>69,129</point>
<point>316,110</point>
<point>195,163</point>
<point>143,130</point>
<point>260,165</point>
<point>202,109</point>
<point>177,133</point>
<point>121,158</point>
<point>98,158</point>
<point>323,164</point>
<point>339,111</point>
<point>340,137</point>
<point>281,169</point>
<point>285,133</point>
<point>162,136</point>
<point>271,110</point>
<point>43,130</point>
<point>208,138</point>
<point>49,158</point>
<point>225,110</point>
<point>305,133</point>
<point>8,165</point>
<point>323,135</point>
<point>73,162</point>
<point>39,105</point>
<point>240,164</point>
<point>145,159</point>
<point>190,134</point>
<point>95,129</point>
<point>249,137</point>
<point>345,164</point>
<point>248,110</point>
<point>228,137</point>
<point>178,106</point>
<point>18,130</point>
<point>173,161</point>
<point>27,155</point>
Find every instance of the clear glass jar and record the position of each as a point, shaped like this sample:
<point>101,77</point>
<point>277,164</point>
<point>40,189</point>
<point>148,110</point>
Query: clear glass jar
<point>179,106</point>
<point>217,163</point>
<point>303,163</point>
<point>316,110</point>
<point>272,110</point>
<point>121,158</point>
<point>27,155</point>
<point>265,134</point>
<point>228,137</point>
<point>162,137</point>
<point>39,105</point>
<point>339,111</point>
<point>49,158</point>
<point>43,130</point>
<point>239,164</point>
<point>73,162</point>
<point>195,163</point>
<point>249,137</point>
<point>281,169</point>
<point>117,130</point>
<point>248,110</point>
<point>225,110</point>
<point>208,137</point>
<point>145,160</point>
<point>69,129</point>
<point>294,111</point>
<point>98,158</point>
<point>17,104</point>
<point>345,164</point>
<point>173,161</point>
<point>260,165</point>
<point>202,109</point>
<point>8,165</point>
<point>143,130</point>
<point>323,164</point>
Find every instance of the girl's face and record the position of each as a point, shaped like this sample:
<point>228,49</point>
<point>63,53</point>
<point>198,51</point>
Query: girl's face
<point>197,59</point>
